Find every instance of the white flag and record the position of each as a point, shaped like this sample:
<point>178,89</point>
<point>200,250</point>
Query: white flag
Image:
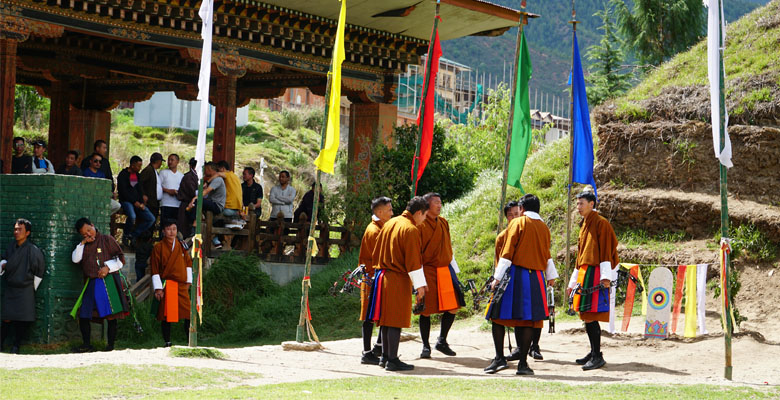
<point>716,41</point>
<point>206,14</point>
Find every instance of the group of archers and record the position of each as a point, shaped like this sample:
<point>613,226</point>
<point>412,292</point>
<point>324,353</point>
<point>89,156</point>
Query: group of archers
<point>413,253</point>
<point>146,195</point>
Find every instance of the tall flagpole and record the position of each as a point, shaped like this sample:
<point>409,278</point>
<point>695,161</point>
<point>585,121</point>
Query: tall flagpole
<point>523,21</point>
<point>724,202</point>
<point>573,23</point>
<point>426,80</point>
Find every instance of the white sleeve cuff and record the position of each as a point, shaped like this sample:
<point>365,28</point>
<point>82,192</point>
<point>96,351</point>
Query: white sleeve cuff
<point>551,272</point>
<point>156,282</point>
<point>189,274</point>
<point>606,270</point>
<point>418,278</point>
<point>503,265</point>
<point>2,266</point>
<point>573,279</point>
<point>78,252</point>
<point>454,265</point>
<point>113,265</point>
<point>36,282</point>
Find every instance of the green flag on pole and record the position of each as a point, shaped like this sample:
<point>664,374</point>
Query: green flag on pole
<point>521,121</point>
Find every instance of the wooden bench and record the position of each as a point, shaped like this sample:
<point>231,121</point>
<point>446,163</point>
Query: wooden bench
<point>209,231</point>
<point>274,238</point>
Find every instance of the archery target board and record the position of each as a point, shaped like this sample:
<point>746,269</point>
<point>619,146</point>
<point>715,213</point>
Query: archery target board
<point>659,300</point>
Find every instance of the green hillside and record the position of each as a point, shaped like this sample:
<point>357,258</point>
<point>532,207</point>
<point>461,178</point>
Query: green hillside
<point>549,39</point>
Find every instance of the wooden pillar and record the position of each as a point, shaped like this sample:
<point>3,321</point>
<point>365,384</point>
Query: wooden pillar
<point>368,122</point>
<point>87,126</point>
<point>7,93</point>
<point>225,120</point>
<point>59,117</point>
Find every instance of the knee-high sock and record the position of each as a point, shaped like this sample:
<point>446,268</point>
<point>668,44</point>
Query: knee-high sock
<point>498,339</point>
<point>524,342</point>
<point>378,339</point>
<point>425,330</point>
<point>535,339</point>
<point>393,339</point>
<point>5,327</point>
<point>111,332</point>
<point>383,335</point>
<point>368,330</point>
<point>446,323</point>
<point>86,330</point>
<point>594,335</point>
<point>186,328</point>
<point>20,329</point>
<point>165,327</point>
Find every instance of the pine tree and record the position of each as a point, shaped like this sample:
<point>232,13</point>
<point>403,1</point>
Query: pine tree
<point>655,30</point>
<point>605,80</point>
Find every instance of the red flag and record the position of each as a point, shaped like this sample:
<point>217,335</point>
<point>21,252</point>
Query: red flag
<point>427,105</point>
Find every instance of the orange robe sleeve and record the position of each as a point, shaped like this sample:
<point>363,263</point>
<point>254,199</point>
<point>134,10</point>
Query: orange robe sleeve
<point>367,244</point>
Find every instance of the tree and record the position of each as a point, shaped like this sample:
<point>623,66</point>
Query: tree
<point>655,30</point>
<point>30,108</point>
<point>605,80</point>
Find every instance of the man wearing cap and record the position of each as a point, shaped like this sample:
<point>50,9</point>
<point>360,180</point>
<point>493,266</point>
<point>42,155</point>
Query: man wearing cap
<point>40,164</point>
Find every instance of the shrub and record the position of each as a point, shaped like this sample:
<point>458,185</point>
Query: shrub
<point>292,119</point>
<point>314,119</point>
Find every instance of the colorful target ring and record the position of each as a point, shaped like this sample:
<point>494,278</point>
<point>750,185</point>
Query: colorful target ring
<point>659,298</point>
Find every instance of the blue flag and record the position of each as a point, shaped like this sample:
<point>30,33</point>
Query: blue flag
<point>582,158</point>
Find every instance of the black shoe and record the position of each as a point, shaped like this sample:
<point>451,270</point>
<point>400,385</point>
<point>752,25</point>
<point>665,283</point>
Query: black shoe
<point>84,348</point>
<point>168,344</point>
<point>595,362</point>
<point>369,358</point>
<point>109,348</point>
<point>443,347</point>
<point>498,364</point>
<point>382,361</point>
<point>583,360</point>
<point>534,352</point>
<point>522,369</point>
<point>515,355</point>
<point>426,352</point>
<point>15,350</point>
<point>398,365</point>
<point>377,350</point>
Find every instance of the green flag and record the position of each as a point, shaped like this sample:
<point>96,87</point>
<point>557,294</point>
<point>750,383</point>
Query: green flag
<point>521,121</point>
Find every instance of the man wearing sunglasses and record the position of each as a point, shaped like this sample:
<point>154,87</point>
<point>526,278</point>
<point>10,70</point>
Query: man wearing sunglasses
<point>21,163</point>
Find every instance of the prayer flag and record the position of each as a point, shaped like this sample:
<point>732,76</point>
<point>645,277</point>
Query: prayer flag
<point>716,42</point>
<point>521,118</point>
<point>690,301</point>
<point>701,292</point>
<point>327,157</point>
<point>206,14</point>
<point>425,113</point>
<point>582,157</point>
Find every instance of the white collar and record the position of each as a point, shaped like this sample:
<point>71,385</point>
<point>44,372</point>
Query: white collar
<point>532,215</point>
<point>375,218</point>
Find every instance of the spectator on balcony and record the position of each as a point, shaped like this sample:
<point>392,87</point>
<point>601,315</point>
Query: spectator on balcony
<point>188,188</point>
<point>95,161</point>
<point>41,164</point>
<point>281,198</point>
<point>131,196</point>
<point>233,197</point>
<point>306,206</point>
<point>101,148</point>
<point>20,163</point>
<point>213,196</point>
<point>152,184</point>
<point>70,167</point>
<point>252,192</point>
<point>171,180</point>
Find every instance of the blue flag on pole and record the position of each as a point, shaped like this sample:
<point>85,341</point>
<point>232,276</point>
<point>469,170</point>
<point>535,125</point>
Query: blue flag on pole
<point>582,158</point>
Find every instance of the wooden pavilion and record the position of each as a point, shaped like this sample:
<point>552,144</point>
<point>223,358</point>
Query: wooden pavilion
<point>89,55</point>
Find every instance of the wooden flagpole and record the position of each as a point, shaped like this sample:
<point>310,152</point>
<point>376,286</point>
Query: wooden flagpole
<point>426,80</point>
<point>573,22</point>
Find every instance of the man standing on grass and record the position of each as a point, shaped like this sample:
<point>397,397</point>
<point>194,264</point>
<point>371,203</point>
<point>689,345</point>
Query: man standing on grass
<point>382,210</point>
<point>22,267</point>
<point>440,273</point>
<point>398,263</point>
<point>596,256</point>
<point>525,268</point>
<point>171,267</point>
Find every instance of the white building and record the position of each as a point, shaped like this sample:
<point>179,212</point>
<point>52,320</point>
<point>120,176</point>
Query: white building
<point>164,110</point>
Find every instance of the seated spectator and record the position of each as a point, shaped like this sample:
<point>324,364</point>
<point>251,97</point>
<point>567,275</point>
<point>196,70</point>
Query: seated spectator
<point>233,198</point>
<point>252,192</point>
<point>20,163</point>
<point>101,148</point>
<point>70,167</point>
<point>307,204</point>
<point>213,196</point>
<point>281,198</point>
<point>188,189</point>
<point>170,179</point>
<point>151,184</point>
<point>94,171</point>
<point>41,164</point>
<point>131,196</point>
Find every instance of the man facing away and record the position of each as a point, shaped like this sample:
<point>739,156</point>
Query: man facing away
<point>596,257</point>
<point>440,274</point>
<point>525,267</point>
<point>398,263</point>
<point>382,211</point>
<point>188,188</point>
<point>281,198</point>
<point>22,268</point>
<point>171,267</point>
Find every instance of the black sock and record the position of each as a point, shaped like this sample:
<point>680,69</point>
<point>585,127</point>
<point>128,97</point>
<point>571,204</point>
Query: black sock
<point>446,323</point>
<point>186,329</point>
<point>20,328</point>
<point>111,332</point>
<point>378,339</point>
<point>425,330</point>
<point>86,331</point>
<point>368,330</point>
<point>165,327</point>
<point>393,340</point>
<point>498,339</point>
<point>4,329</point>
<point>535,339</point>
<point>594,335</point>
<point>383,335</point>
<point>524,342</point>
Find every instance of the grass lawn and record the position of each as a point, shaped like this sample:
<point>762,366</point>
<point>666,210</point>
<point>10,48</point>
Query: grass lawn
<point>169,382</point>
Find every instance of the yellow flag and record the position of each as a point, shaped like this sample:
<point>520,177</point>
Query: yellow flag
<point>327,157</point>
<point>690,301</point>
